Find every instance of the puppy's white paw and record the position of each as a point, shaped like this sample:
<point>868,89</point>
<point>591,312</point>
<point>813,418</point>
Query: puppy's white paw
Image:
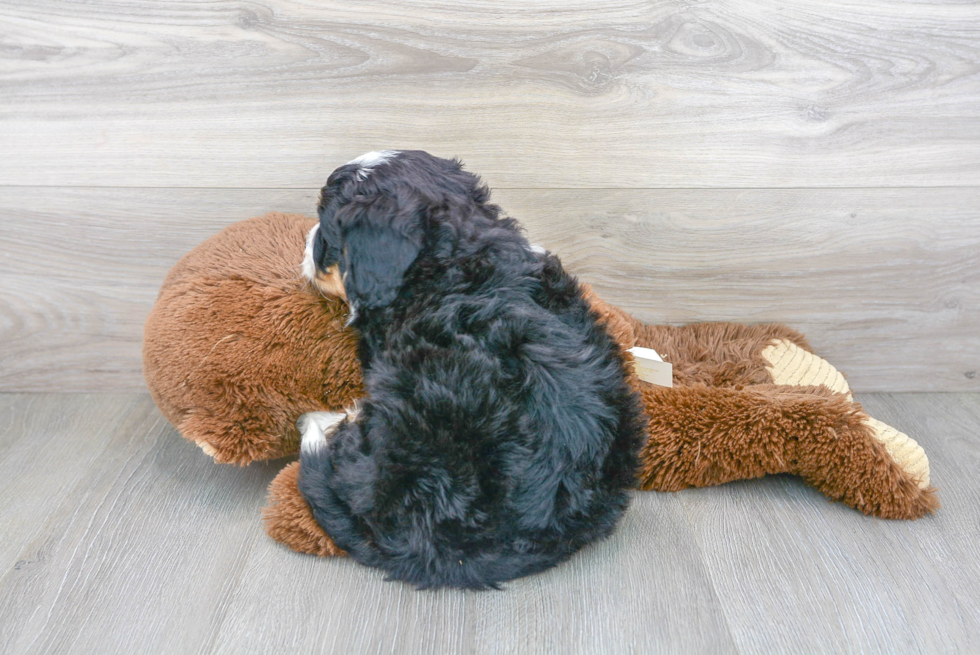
<point>315,426</point>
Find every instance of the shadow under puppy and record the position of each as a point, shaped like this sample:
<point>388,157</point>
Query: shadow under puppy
<point>498,434</point>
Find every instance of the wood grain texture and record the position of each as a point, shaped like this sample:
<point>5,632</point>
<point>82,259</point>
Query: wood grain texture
<point>642,590</point>
<point>950,425</point>
<point>798,574</point>
<point>70,431</point>
<point>138,554</point>
<point>81,268</point>
<point>887,291</point>
<point>619,94</point>
<point>125,538</point>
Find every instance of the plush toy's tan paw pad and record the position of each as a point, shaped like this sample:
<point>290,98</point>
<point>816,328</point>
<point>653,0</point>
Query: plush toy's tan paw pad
<point>289,520</point>
<point>789,364</point>
<point>904,450</point>
<point>208,449</point>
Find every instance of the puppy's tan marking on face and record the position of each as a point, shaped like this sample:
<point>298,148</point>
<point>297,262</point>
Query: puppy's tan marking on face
<point>329,282</point>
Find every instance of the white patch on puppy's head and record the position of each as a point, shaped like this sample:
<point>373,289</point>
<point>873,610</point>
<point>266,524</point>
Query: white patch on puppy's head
<point>369,160</point>
<point>309,267</point>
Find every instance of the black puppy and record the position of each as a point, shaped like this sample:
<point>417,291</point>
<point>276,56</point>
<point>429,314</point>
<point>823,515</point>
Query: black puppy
<point>498,435</point>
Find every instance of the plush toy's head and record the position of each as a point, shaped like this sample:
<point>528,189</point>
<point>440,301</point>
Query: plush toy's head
<point>239,345</point>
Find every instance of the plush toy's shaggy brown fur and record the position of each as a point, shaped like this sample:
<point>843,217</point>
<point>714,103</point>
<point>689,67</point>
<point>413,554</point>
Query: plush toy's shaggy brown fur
<point>289,520</point>
<point>238,347</point>
<point>725,420</point>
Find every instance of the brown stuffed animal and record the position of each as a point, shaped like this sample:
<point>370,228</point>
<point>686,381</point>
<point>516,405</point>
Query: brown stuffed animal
<point>239,346</point>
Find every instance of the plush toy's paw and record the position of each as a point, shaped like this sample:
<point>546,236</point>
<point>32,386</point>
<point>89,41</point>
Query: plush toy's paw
<point>793,366</point>
<point>702,436</point>
<point>845,454</point>
<point>289,520</point>
<point>208,449</point>
<point>903,449</point>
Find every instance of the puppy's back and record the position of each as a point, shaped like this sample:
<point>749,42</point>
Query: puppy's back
<point>500,436</point>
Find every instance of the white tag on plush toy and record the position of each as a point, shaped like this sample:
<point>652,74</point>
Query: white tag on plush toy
<point>650,367</point>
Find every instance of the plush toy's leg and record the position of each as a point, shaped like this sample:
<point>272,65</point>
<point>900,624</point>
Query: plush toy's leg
<point>718,354</point>
<point>702,436</point>
<point>288,518</point>
<point>726,355</point>
<point>791,365</point>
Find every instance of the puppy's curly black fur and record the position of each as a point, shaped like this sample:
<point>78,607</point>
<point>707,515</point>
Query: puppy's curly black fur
<point>499,434</point>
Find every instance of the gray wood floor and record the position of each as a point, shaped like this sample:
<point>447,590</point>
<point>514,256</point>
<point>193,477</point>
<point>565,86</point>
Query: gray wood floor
<point>118,536</point>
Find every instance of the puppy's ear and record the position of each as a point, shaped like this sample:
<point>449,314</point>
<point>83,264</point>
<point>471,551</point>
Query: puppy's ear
<point>378,249</point>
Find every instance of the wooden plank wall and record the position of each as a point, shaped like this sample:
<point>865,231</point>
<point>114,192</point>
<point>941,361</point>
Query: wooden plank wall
<point>812,163</point>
